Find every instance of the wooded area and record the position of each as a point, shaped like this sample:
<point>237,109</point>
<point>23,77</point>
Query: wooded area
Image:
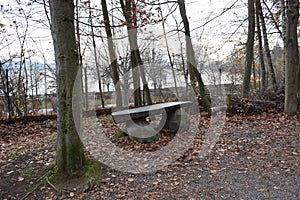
<point>72,63</point>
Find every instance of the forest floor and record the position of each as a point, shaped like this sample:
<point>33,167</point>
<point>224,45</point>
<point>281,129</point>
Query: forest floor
<point>256,157</point>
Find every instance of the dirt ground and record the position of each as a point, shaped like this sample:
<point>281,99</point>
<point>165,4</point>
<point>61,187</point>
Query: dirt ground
<point>256,157</point>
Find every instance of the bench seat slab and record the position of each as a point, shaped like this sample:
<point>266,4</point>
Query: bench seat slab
<point>173,118</point>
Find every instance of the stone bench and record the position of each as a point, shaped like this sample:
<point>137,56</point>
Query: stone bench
<point>138,120</point>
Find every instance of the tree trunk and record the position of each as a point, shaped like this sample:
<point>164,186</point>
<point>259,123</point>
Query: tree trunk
<point>168,52</point>
<point>249,49</point>
<point>283,25</point>
<point>96,57</point>
<point>21,87</point>
<point>146,90</point>
<point>79,48</point>
<point>9,106</point>
<point>174,77</point>
<point>25,91</point>
<point>260,51</point>
<point>69,152</point>
<point>137,94</point>
<point>195,75</point>
<point>86,89</point>
<point>266,42</point>
<point>112,55</point>
<point>254,76</point>
<point>147,95</point>
<point>292,58</point>
<point>136,61</point>
<point>298,79</point>
<point>185,71</point>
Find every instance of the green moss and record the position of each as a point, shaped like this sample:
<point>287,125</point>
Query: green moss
<point>118,135</point>
<point>27,172</point>
<point>91,170</point>
<point>82,179</point>
<point>70,157</point>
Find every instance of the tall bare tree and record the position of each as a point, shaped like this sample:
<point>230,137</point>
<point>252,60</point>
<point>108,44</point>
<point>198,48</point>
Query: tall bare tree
<point>283,27</point>
<point>260,50</point>
<point>168,52</point>
<point>85,103</point>
<point>292,57</point>
<point>69,152</point>
<point>249,49</point>
<point>96,56</point>
<point>112,55</point>
<point>5,89</point>
<point>195,76</point>
<point>129,9</point>
<point>266,43</point>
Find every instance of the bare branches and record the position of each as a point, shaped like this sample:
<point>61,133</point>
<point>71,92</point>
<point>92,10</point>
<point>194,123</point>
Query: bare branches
<point>217,16</point>
<point>159,3</point>
<point>273,19</point>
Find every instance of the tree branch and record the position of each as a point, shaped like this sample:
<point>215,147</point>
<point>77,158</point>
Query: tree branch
<point>215,17</point>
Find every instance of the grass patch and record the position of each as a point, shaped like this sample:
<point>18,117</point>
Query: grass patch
<point>29,172</point>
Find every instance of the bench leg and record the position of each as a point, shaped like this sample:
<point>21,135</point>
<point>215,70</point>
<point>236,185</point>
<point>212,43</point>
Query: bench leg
<point>177,121</point>
<point>141,131</point>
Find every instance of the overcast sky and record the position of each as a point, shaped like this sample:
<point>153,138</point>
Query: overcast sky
<point>214,33</point>
<point>198,12</point>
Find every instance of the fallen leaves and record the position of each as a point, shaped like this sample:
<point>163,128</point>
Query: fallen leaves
<point>26,145</point>
<point>18,139</point>
<point>258,153</point>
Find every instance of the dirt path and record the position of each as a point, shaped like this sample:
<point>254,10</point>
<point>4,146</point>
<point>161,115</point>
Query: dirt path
<point>257,157</point>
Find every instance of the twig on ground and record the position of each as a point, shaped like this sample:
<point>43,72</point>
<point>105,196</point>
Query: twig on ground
<point>40,181</point>
<point>31,191</point>
<point>52,185</point>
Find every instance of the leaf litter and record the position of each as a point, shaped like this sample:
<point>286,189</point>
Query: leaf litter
<point>257,156</point>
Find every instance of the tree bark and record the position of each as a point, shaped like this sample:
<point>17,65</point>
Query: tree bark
<point>96,58</point>
<point>112,55</point>
<point>249,49</point>
<point>136,61</point>
<point>168,52</point>
<point>79,50</point>
<point>86,89</point>
<point>147,94</point>
<point>283,25</point>
<point>266,43</point>
<point>260,51</point>
<point>137,94</point>
<point>8,97</point>
<point>254,76</point>
<point>292,58</point>
<point>195,75</point>
<point>69,152</point>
